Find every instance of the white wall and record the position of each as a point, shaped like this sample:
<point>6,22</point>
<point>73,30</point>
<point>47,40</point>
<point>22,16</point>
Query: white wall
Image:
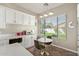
<point>71,11</point>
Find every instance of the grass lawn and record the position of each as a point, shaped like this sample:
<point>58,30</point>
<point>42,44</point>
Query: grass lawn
<point>60,35</point>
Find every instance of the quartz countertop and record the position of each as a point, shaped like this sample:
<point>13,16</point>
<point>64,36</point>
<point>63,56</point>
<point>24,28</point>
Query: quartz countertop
<point>14,50</point>
<point>9,36</point>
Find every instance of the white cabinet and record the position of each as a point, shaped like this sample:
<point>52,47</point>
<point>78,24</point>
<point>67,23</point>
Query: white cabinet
<point>1,43</point>
<point>26,19</point>
<point>2,17</point>
<point>14,16</point>
<point>10,16</point>
<point>29,20</point>
<point>23,42</point>
<point>32,41</point>
<point>32,20</point>
<point>29,41</point>
<point>19,17</point>
<point>4,42</point>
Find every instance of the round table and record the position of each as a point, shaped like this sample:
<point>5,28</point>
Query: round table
<point>45,41</point>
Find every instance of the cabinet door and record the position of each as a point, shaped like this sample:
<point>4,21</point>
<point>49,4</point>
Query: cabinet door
<point>2,17</point>
<point>32,20</point>
<point>32,41</point>
<point>1,42</point>
<point>23,42</point>
<point>28,42</point>
<point>10,16</point>
<point>4,42</point>
<point>19,17</point>
<point>26,19</point>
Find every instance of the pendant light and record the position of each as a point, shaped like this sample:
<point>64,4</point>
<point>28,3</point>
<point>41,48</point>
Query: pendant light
<point>45,5</point>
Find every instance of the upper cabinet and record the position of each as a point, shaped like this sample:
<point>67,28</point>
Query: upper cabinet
<point>26,19</point>
<point>29,20</point>
<point>2,17</point>
<point>19,17</point>
<point>13,16</point>
<point>32,20</point>
<point>10,16</point>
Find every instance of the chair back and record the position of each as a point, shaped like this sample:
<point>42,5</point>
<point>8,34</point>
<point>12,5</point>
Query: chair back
<point>36,44</point>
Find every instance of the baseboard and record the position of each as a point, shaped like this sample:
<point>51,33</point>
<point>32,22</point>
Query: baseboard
<point>65,48</point>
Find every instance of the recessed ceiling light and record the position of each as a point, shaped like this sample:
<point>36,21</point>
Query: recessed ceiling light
<point>45,15</point>
<point>51,13</point>
<point>41,16</point>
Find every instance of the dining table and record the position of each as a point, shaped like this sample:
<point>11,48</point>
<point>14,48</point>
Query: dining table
<point>45,40</point>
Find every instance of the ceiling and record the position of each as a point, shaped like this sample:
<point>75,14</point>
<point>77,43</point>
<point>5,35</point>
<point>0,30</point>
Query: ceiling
<point>38,7</point>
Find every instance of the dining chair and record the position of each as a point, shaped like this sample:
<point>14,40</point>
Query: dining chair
<point>39,46</point>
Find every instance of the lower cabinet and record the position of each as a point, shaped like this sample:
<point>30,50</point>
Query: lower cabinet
<point>28,41</point>
<point>4,42</point>
<point>23,42</point>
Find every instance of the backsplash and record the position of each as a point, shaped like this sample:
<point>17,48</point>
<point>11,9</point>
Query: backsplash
<point>13,28</point>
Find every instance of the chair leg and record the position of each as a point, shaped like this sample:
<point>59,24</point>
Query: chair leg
<point>44,53</point>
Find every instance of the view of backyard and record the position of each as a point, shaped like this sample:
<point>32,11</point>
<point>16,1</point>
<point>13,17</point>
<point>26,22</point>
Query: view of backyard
<point>54,28</point>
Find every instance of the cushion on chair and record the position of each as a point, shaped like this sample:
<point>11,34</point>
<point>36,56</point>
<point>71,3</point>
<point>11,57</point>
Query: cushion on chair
<point>38,45</point>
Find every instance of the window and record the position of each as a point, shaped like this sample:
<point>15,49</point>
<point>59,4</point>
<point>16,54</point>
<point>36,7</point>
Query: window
<point>54,27</point>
